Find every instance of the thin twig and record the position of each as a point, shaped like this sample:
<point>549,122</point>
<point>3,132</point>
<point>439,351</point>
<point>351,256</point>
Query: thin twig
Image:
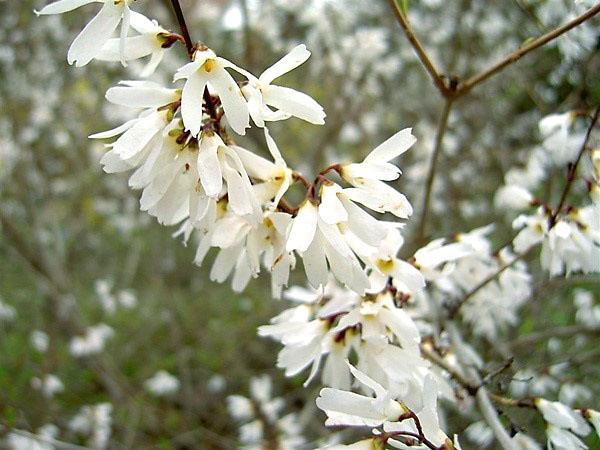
<point>420,51</point>
<point>189,45</point>
<point>517,54</point>
<point>441,131</point>
<point>469,385</point>
<point>453,310</point>
<point>571,176</point>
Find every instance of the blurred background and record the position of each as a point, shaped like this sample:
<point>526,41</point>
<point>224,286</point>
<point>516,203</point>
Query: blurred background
<point>96,297</point>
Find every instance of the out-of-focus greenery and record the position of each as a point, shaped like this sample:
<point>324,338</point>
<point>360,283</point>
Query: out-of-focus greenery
<point>67,225</point>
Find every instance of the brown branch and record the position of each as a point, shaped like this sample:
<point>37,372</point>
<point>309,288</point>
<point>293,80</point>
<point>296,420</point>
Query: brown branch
<point>189,45</point>
<point>441,131</point>
<point>419,50</point>
<point>470,386</point>
<point>517,54</point>
<point>571,176</point>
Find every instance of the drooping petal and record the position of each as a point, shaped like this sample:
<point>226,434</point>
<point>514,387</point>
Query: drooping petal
<point>155,60</point>
<point>209,166</point>
<point>115,131</point>
<point>91,39</point>
<point>138,136</point>
<point>191,102</point>
<point>125,19</point>
<point>331,209</point>
<point>134,47</point>
<point>234,104</point>
<point>141,95</point>
<point>255,104</point>
<point>295,103</point>
<point>315,263</point>
<point>303,228</point>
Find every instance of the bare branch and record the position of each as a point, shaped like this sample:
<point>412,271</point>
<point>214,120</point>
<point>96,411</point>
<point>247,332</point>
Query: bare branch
<point>453,310</point>
<point>573,170</point>
<point>420,51</point>
<point>517,54</point>
<point>441,131</point>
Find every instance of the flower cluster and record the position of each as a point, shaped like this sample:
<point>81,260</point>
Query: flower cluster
<point>365,303</point>
<point>569,234</point>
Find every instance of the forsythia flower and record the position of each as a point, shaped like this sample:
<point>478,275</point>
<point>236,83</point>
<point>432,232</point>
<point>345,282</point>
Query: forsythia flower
<point>88,44</point>
<point>261,94</point>
<point>367,177</point>
<point>149,42</point>
<point>208,68</point>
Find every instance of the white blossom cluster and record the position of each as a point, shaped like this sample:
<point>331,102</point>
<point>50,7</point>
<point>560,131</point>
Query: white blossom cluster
<point>570,238</point>
<point>260,415</point>
<point>365,304</point>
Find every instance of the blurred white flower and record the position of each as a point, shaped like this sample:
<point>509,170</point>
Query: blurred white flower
<point>92,342</point>
<point>49,385</point>
<point>7,312</point>
<point>39,341</point>
<point>95,423</point>
<point>162,384</point>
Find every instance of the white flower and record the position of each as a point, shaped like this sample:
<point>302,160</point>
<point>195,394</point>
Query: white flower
<point>92,342</point>
<point>513,197</point>
<point>560,142</point>
<point>378,314</point>
<point>40,441</point>
<point>525,442</point>
<point>95,422</point>
<point>7,312</point>
<point>208,68</point>
<point>168,177</point>
<point>149,42</point>
<point>561,439</point>
<point>137,136</point>
<point>532,230</point>
<point>39,341</point>
<point>272,179</point>
<point>245,244</point>
<point>50,385</point>
<point>432,259</point>
<point>88,44</point>
<point>162,384</point>
<point>217,163</point>
<point>562,416</point>
<point>261,94</point>
<point>324,248</point>
<point>367,177</point>
<point>348,408</point>
<point>594,418</point>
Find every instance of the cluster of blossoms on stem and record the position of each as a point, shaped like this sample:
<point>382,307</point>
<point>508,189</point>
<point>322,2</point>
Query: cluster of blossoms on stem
<point>365,304</point>
<point>260,416</point>
<point>569,234</point>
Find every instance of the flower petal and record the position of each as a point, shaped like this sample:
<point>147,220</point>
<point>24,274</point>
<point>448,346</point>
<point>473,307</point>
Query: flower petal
<point>91,39</point>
